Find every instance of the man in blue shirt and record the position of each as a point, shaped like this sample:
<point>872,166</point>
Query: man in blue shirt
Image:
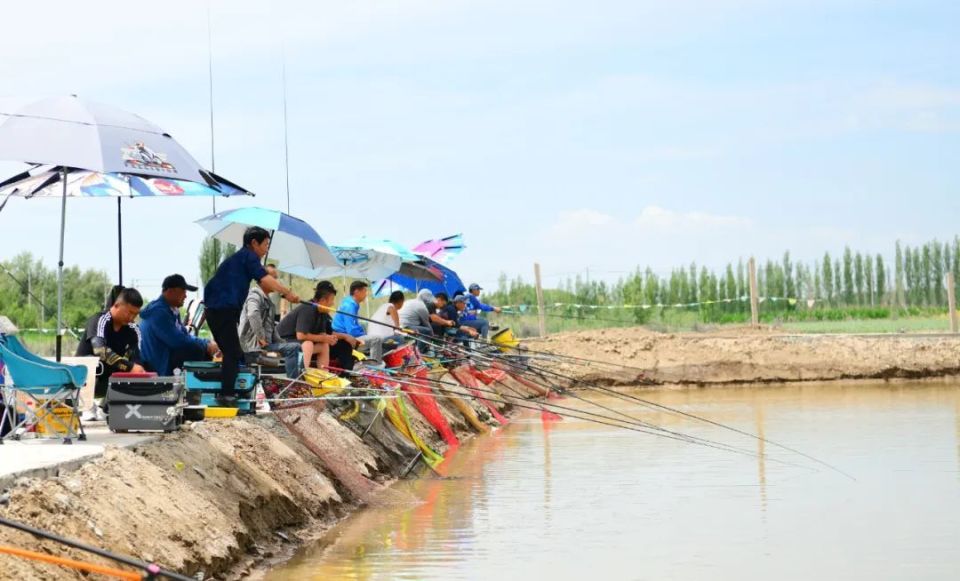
<point>346,320</point>
<point>223,298</point>
<point>474,305</point>
<point>165,343</point>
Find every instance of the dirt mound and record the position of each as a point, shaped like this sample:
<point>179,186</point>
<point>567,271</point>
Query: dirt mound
<point>746,355</point>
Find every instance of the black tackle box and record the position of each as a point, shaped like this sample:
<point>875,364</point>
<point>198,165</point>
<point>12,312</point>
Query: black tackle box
<point>144,403</point>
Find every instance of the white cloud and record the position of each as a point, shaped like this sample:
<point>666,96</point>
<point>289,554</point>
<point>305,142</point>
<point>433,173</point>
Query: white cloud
<point>575,223</point>
<point>656,217</point>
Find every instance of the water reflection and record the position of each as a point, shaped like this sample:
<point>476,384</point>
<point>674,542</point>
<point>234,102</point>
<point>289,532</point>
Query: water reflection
<point>575,500</point>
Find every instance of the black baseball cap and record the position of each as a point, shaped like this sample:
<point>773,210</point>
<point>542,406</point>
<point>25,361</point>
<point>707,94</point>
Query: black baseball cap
<point>177,281</point>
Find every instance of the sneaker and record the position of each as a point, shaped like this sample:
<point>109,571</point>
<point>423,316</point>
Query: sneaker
<point>101,415</point>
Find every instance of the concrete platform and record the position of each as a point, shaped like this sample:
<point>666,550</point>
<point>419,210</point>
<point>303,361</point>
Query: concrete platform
<point>42,458</point>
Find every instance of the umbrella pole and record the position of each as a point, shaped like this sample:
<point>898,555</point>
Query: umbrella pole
<point>63,225</point>
<point>120,239</point>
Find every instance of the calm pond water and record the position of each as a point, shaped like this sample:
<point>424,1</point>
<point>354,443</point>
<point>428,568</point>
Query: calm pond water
<point>575,500</point>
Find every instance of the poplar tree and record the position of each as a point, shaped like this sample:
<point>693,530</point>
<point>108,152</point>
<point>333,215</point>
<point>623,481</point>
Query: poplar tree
<point>848,276</point>
<point>838,281</point>
<point>827,269</point>
<point>881,280</point>
<point>858,278</point>
<point>789,287</point>
<point>936,272</point>
<point>898,276</point>
<point>868,280</point>
<point>909,284</point>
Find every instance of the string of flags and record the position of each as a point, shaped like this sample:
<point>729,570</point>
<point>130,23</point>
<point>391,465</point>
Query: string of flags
<point>789,300</point>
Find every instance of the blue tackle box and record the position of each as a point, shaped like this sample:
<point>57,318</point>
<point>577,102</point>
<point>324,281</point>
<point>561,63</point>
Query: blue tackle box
<point>202,380</point>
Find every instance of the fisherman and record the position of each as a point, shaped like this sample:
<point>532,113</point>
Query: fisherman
<point>166,343</point>
<point>311,327</point>
<point>415,314</point>
<point>346,321</point>
<point>258,329</point>
<point>114,338</point>
<point>449,315</point>
<point>470,316</point>
<point>224,296</point>
<point>386,319</point>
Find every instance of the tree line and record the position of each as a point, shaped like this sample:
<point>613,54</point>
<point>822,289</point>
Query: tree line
<point>849,280</point>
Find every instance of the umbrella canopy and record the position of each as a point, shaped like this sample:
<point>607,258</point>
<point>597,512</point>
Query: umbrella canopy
<point>442,250</point>
<point>449,281</point>
<point>72,134</point>
<point>294,243</point>
<point>45,182</point>
<point>368,263</point>
<point>75,133</point>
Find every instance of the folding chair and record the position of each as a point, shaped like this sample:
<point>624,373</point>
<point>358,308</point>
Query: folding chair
<point>49,385</point>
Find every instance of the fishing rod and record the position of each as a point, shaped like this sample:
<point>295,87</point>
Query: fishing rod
<point>677,411</point>
<point>541,405</point>
<point>576,414</point>
<point>646,402</point>
<point>151,570</point>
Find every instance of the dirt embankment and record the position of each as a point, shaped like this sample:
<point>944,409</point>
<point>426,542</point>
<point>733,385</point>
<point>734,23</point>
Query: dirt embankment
<point>744,355</point>
<point>221,496</point>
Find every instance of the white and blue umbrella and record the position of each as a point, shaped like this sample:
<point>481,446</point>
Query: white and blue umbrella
<point>293,244</point>
<point>367,263</point>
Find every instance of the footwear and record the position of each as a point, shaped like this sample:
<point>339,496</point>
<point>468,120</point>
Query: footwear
<point>229,401</point>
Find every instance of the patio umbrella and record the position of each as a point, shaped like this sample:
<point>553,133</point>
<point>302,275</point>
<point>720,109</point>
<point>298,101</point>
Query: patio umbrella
<point>44,181</point>
<point>366,263</point>
<point>449,281</point>
<point>294,243</point>
<point>442,250</point>
<point>69,134</point>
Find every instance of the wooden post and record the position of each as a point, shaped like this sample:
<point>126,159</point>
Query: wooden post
<point>952,302</point>
<point>541,314</point>
<point>754,299</point>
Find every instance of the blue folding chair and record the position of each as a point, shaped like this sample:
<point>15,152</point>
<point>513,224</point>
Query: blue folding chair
<point>49,385</point>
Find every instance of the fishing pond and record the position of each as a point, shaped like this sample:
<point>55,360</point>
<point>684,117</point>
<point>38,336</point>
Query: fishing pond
<point>575,499</point>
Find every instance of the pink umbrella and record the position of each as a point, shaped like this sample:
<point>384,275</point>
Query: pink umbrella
<point>442,250</point>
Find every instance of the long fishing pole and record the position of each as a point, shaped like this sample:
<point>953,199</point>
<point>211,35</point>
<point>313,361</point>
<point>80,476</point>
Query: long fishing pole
<point>541,405</point>
<point>677,411</point>
<point>638,399</point>
<point>576,414</point>
<point>152,569</point>
<point>475,354</point>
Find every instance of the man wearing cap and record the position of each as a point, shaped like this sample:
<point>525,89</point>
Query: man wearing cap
<point>416,314</point>
<point>449,314</point>
<point>470,317</point>
<point>166,344</point>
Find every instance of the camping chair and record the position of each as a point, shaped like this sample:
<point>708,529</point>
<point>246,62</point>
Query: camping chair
<point>51,387</point>
<point>196,317</point>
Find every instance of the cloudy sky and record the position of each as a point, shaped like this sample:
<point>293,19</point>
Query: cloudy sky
<point>599,135</point>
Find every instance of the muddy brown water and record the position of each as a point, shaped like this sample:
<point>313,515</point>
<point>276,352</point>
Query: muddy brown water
<point>575,500</point>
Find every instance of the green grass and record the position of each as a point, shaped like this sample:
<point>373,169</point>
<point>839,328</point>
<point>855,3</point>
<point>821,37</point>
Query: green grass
<point>929,324</point>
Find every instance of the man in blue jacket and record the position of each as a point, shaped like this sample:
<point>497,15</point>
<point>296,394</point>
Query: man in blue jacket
<point>166,344</point>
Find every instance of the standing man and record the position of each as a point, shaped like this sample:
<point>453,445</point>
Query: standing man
<point>113,337</point>
<point>471,317</point>
<point>258,329</point>
<point>224,296</point>
<point>166,343</point>
<point>346,321</point>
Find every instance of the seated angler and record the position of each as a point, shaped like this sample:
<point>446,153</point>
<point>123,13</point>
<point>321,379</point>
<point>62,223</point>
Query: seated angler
<point>166,343</point>
<point>449,317</point>
<point>475,306</point>
<point>113,337</point>
<point>312,329</point>
<point>386,320</point>
<point>416,314</point>
<point>258,329</point>
<point>347,323</point>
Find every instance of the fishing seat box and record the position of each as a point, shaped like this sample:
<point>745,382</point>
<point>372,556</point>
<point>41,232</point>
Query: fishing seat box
<point>140,402</point>
<point>202,381</point>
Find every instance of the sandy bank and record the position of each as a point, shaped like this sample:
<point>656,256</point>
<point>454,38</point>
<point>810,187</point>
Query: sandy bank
<point>744,355</point>
<point>221,496</point>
